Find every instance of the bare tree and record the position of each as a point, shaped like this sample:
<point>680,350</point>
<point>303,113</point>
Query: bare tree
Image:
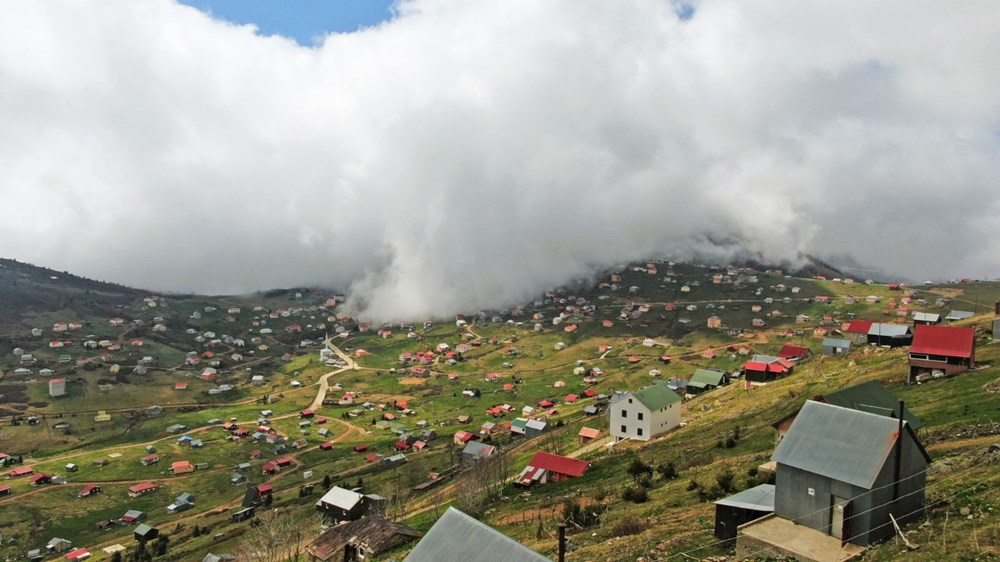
<point>483,483</point>
<point>275,536</point>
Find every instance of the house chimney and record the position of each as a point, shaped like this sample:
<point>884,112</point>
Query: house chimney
<point>562,542</point>
<point>899,454</point>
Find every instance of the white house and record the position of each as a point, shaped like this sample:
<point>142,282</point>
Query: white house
<point>645,414</point>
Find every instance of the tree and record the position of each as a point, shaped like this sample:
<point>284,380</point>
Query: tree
<point>275,537</point>
<point>637,469</point>
<point>483,483</point>
<point>327,482</point>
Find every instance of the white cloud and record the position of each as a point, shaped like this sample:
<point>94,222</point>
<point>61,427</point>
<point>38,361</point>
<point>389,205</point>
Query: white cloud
<point>471,154</point>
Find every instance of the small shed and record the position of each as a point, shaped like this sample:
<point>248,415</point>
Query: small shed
<point>144,533</point>
<point>836,346</point>
<point>741,508</point>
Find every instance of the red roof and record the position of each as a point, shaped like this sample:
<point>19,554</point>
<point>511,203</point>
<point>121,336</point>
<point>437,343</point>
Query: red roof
<point>39,477</point>
<point>463,436</point>
<point>4,488</point>
<point>264,489</point>
<point>791,351</point>
<point>22,471</point>
<point>859,326</point>
<point>589,393</point>
<point>559,464</point>
<point>360,448</point>
<point>88,489</point>
<point>78,554</point>
<point>144,487</point>
<point>545,403</point>
<point>944,340</point>
<point>401,445</point>
<point>283,461</point>
<point>754,366</point>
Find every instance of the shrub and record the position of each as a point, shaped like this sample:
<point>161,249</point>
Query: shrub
<point>693,485</point>
<point>667,471</point>
<point>629,525</point>
<point>725,481</point>
<point>636,494</point>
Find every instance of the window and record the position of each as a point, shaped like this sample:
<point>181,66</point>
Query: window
<point>640,416</point>
<point>629,400</point>
<point>624,429</point>
<point>638,431</point>
<point>624,414</point>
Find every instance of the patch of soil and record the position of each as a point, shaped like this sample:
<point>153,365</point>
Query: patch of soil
<point>412,381</point>
<point>992,387</point>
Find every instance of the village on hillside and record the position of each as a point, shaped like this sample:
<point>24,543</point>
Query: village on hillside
<point>667,409</point>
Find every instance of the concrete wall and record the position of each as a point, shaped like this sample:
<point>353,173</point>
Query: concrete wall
<point>652,424</point>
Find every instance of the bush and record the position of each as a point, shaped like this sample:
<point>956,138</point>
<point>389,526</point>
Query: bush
<point>667,471</point>
<point>637,469</point>
<point>629,525</point>
<point>636,494</point>
<point>693,485</point>
<point>725,481</point>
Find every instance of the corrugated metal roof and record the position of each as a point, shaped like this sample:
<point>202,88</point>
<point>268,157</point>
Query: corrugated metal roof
<point>843,444</point>
<point>655,396</point>
<point>871,396</point>
<point>456,536</point>
<point>926,317</point>
<point>758,498</point>
<point>889,330</point>
<point>703,377</point>
<point>836,342</point>
<point>340,497</point>
<point>944,340</point>
<point>959,315</point>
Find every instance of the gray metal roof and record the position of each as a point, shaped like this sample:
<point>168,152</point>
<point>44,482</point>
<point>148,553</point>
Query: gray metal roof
<point>959,315</point>
<point>926,316</point>
<point>758,498</point>
<point>836,342</point>
<point>456,536</point>
<point>889,330</point>
<point>840,443</point>
<point>871,396</point>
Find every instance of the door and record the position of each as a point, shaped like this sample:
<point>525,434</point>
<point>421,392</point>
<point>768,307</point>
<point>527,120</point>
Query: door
<point>839,513</point>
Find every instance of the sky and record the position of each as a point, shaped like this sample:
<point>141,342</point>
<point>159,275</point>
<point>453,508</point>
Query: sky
<point>305,21</point>
<point>465,155</point>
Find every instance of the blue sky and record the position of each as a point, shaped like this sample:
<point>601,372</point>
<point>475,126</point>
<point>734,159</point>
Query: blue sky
<point>302,20</point>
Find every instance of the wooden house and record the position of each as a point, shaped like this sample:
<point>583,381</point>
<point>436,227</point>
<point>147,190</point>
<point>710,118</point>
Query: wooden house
<point>941,351</point>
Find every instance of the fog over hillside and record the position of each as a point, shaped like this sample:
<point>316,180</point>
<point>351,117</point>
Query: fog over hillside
<point>469,154</point>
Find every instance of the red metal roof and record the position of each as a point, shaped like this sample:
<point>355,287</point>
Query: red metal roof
<point>791,351</point>
<point>559,464</point>
<point>78,554</point>
<point>754,366</point>
<point>944,340</point>
<point>264,489</point>
<point>142,487</point>
<point>859,327</point>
